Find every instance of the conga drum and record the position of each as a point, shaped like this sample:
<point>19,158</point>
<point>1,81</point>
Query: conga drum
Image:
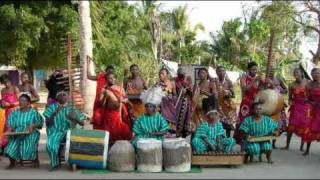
<point>272,101</point>
<point>122,157</point>
<point>149,155</point>
<point>176,155</point>
<point>87,148</point>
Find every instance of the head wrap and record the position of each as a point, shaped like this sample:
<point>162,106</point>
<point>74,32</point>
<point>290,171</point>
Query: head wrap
<point>153,95</point>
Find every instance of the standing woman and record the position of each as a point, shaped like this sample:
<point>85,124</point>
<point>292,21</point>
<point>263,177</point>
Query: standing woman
<point>313,91</point>
<point>249,88</point>
<point>27,87</point>
<point>204,99</point>
<point>9,102</point>
<point>168,110</point>
<point>23,147</point>
<point>299,108</point>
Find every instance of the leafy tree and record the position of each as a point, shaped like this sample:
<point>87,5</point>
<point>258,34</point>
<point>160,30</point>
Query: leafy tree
<point>31,32</point>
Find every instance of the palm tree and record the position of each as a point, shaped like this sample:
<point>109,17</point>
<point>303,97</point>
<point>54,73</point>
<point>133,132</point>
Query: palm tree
<point>150,9</point>
<point>181,25</point>
<point>87,86</point>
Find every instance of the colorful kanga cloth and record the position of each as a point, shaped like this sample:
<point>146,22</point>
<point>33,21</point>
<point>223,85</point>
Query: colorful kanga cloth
<point>23,147</point>
<point>9,98</point>
<point>56,133</point>
<point>299,112</point>
<point>146,124</point>
<point>265,127</point>
<point>313,130</point>
<point>211,132</point>
<point>245,107</point>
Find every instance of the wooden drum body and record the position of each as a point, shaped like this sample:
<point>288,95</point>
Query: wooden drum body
<point>87,148</point>
<point>149,155</point>
<point>273,101</point>
<point>122,157</point>
<point>176,155</point>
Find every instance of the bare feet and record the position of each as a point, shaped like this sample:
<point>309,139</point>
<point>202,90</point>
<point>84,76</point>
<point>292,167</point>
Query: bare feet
<point>270,161</point>
<point>285,148</point>
<point>305,153</point>
<point>11,166</point>
<point>54,168</point>
<point>36,164</point>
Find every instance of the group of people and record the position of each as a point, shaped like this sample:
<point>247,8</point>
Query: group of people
<point>172,107</point>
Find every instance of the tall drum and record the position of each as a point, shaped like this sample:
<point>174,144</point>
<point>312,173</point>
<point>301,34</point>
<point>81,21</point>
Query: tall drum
<point>176,155</point>
<point>273,101</point>
<point>122,157</point>
<point>87,148</point>
<point>149,155</point>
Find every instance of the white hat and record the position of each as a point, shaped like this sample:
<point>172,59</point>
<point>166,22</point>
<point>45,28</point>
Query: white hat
<point>153,95</point>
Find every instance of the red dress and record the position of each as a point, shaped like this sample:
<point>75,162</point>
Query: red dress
<point>117,123</point>
<point>313,131</point>
<point>245,106</point>
<point>97,109</point>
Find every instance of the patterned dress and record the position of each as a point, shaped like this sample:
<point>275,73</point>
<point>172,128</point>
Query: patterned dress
<point>265,127</point>
<point>57,131</point>
<point>299,112</point>
<point>146,124</point>
<point>245,106</point>
<point>23,147</point>
<point>212,132</point>
<point>313,130</point>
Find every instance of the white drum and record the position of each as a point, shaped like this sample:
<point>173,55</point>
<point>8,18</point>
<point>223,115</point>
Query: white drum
<point>149,155</point>
<point>122,157</point>
<point>273,101</point>
<point>176,155</point>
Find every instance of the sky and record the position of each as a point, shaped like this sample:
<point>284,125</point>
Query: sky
<point>212,14</point>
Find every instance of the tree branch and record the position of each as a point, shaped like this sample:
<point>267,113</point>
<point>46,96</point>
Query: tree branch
<point>304,24</point>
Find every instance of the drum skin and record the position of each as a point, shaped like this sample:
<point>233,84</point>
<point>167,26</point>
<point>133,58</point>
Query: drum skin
<point>273,101</point>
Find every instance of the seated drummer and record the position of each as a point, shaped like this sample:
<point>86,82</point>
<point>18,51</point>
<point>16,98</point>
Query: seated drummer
<point>210,135</point>
<point>23,119</point>
<point>150,125</point>
<point>60,118</point>
<point>258,125</point>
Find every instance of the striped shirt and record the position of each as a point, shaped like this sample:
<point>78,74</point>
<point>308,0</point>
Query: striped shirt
<point>266,126</point>
<point>210,131</point>
<point>146,124</point>
<point>61,121</point>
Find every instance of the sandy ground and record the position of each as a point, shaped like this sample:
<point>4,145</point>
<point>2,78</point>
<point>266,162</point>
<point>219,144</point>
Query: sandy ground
<point>287,164</point>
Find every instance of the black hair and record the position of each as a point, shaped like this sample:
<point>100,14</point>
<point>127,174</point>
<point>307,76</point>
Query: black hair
<point>28,98</point>
<point>164,69</point>
<point>4,77</point>
<point>254,104</point>
<point>251,64</point>
<point>134,65</point>
<point>203,69</point>
<point>109,67</point>
<point>109,73</point>
<point>220,67</point>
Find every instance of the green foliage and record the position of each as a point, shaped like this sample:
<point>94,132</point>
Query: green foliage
<point>31,31</point>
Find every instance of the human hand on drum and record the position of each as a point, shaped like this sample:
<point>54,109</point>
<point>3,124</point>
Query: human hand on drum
<point>30,128</point>
<point>276,133</point>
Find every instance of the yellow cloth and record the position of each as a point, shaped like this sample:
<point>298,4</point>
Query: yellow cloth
<point>2,121</point>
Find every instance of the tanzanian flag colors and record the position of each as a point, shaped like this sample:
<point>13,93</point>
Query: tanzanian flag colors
<point>87,148</point>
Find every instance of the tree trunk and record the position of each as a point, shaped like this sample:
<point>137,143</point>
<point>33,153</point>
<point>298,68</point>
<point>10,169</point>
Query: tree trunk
<point>154,25</point>
<point>88,88</point>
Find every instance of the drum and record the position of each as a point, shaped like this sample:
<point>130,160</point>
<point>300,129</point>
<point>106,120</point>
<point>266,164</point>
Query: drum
<point>149,155</point>
<point>176,155</point>
<point>273,101</point>
<point>87,148</point>
<point>122,157</point>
